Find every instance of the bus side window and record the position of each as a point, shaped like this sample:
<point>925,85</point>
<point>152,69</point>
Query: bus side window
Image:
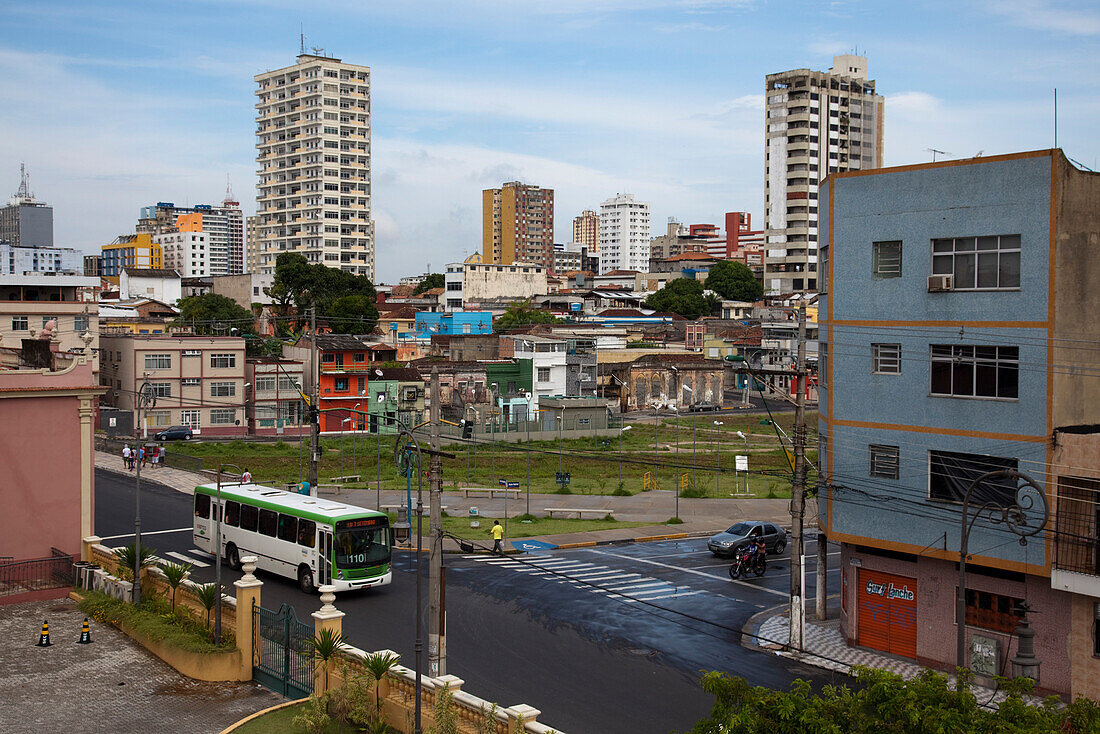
<point>288,528</point>
<point>202,506</point>
<point>269,522</point>
<point>232,513</point>
<point>248,517</point>
<point>307,533</point>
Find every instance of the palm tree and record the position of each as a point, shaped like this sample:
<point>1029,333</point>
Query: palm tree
<point>208,595</point>
<point>125,557</point>
<point>325,645</point>
<point>378,665</point>
<point>175,574</point>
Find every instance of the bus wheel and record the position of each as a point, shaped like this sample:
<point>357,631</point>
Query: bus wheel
<point>305,580</point>
<point>233,557</point>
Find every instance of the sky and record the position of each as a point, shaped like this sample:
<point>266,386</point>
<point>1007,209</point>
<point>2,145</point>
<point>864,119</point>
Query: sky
<point>115,106</point>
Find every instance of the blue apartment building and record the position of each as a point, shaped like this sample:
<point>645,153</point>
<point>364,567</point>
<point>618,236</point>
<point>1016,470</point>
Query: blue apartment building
<point>959,329</point>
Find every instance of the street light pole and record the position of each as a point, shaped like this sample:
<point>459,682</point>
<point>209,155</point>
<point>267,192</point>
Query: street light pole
<point>1013,516</point>
<point>493,421</point>
<point>622,430</point>
<point>528,416</point>
<point>218,553</point>
<point>145,399</point>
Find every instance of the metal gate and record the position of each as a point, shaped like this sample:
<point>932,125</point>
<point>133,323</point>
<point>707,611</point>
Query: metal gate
<point>282,658</point>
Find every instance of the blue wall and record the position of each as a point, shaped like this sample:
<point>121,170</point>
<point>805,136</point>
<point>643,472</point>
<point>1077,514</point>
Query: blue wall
<point>480,322</point>
<point>985,198</point>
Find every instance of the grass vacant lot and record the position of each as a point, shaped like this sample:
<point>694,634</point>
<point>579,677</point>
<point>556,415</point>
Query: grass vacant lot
<point>691,451</point>
<point>460,526</point>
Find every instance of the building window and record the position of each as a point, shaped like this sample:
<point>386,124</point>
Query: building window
<point>159,418</point>
<point>263,384</point>
<point>80,324</point>
<point>223,389</point>
<point>158,361</point>
<point>886,359</point>
<point>973,371</point>
<point>886,259</point>
<point>328,358</point>
<point>285,383</point>
<point>222,416</point>
<point>191,353</point>
<point>223,360</point>
<point>979,263</point>
<point>160,389</point>
<point>997,612</point>
<point>1096,629</point>
<point>1076,544</point>
<point>190,381</point>
<point>190,418</point>
<point>20,323</point>
<point>884,461</point>
<point>359,357</point>
<point>544,374</point>
<point>340,384</point>
<point>950,475</point>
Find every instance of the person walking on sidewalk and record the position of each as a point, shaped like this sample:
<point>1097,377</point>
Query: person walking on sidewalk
<point>142,457</point>
<point>498,536</point>
<point>126,460</point>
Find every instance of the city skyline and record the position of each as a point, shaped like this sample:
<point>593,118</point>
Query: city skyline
<point>115,108</point>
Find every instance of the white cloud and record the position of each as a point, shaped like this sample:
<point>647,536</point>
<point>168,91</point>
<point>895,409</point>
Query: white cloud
<point>1045,16</point>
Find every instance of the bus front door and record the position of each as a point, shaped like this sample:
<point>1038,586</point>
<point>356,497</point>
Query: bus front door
<point>324,561</point>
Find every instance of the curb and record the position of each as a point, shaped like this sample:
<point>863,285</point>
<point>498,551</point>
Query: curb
<point>258,714</point>
<point>121,473</point>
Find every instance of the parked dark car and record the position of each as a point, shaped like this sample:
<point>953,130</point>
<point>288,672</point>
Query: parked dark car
<point>728,541</point>
<point>174,433</point>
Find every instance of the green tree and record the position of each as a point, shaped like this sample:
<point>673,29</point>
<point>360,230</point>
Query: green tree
<point>435,280</point>
<point>522,313</point>
<point>299,285</point>
<point>884,702</point>
<point>734,281</point>
<point>353,314</point>
<point>683,296</point>
<point>212,313</point>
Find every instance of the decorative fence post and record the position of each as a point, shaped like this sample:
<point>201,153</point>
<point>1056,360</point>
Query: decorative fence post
<point>86,548</point>
<point>327,617</point>
<point>248,594</point>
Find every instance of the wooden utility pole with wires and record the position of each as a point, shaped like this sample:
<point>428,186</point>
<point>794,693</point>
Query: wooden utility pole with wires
<point>315,409</point>
<point>437,622</point>
<point>798,491</point>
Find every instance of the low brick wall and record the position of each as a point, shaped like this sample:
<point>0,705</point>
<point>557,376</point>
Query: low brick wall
<point>153,582</point>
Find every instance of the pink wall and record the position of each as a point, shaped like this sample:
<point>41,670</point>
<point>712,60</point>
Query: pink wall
<point>936,631</point>
<point>40,453</point>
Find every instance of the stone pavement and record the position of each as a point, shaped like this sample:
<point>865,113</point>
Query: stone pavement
<point>111,685</point>
<point>702,517</point>
<point>826,648</point>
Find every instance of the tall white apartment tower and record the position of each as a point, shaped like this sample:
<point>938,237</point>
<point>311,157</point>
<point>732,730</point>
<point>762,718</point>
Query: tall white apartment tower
<point>313,147</point>
<point>816,123</point>
<point>624,234</point>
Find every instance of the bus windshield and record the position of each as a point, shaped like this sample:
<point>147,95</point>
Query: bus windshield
<point>358,547</point>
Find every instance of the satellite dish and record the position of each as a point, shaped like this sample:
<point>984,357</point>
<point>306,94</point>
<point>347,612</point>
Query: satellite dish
<point>378,372</point>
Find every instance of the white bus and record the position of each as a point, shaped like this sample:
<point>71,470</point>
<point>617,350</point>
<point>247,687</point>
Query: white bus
<point>313,540</point>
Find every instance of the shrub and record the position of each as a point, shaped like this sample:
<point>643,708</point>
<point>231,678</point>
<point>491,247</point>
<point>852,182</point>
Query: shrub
<point>674,521</point>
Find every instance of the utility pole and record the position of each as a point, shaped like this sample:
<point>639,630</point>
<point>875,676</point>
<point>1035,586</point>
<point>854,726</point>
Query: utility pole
<point>822,571</point>
<point>437,621</point>
<point>315,409</point>
<point>798,490</point>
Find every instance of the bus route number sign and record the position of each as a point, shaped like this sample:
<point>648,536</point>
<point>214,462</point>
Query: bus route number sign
<point>362,522</point>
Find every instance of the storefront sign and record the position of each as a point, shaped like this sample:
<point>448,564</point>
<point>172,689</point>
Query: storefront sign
<point>890,591</point>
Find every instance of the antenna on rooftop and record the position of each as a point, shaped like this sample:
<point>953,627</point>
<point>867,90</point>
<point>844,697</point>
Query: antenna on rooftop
<point>301,39</point>
<point>934,151</point>
<point>24,191</point>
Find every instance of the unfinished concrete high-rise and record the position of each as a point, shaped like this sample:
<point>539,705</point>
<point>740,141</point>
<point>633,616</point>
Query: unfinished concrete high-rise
<point>816,123</point>
<point>313,147</point>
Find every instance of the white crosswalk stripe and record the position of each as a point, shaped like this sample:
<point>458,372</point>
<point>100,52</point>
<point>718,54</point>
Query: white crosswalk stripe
<point>187,559</point>
<point>594,578</point>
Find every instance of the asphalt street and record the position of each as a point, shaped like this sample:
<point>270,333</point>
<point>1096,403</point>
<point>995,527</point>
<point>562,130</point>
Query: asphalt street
<point>611,638</point>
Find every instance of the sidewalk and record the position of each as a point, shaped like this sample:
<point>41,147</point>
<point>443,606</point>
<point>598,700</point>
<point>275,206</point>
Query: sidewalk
<point>111,685</point>
<point>826,648</point>
<point>702,517</point>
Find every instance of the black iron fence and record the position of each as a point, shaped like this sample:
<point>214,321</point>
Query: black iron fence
<point>56,571</point>
<point>1076,546</point>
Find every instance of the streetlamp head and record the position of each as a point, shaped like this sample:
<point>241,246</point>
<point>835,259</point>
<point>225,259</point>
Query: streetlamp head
<point>720,423</point>
<point>740,434</point>
<point>626,428</point>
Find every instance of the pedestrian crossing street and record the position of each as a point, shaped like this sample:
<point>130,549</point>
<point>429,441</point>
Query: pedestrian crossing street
<point>597,579</point>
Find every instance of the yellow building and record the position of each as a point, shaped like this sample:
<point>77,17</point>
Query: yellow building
<point>518,225</point>
<point>131,251</point>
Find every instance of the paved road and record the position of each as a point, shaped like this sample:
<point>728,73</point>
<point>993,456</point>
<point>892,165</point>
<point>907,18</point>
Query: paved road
<point>599,639</point>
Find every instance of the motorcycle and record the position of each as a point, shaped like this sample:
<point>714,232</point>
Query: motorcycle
<point>748,558</point>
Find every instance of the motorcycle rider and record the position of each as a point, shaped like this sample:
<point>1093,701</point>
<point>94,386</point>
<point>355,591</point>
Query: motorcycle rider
<point>754,552</point>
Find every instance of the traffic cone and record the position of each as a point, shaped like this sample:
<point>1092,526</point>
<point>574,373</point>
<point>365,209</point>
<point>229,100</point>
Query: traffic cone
<point>85,634</point>
<point>44,638</point>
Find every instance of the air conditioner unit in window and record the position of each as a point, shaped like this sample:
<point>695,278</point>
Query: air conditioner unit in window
<point>940,283</point>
